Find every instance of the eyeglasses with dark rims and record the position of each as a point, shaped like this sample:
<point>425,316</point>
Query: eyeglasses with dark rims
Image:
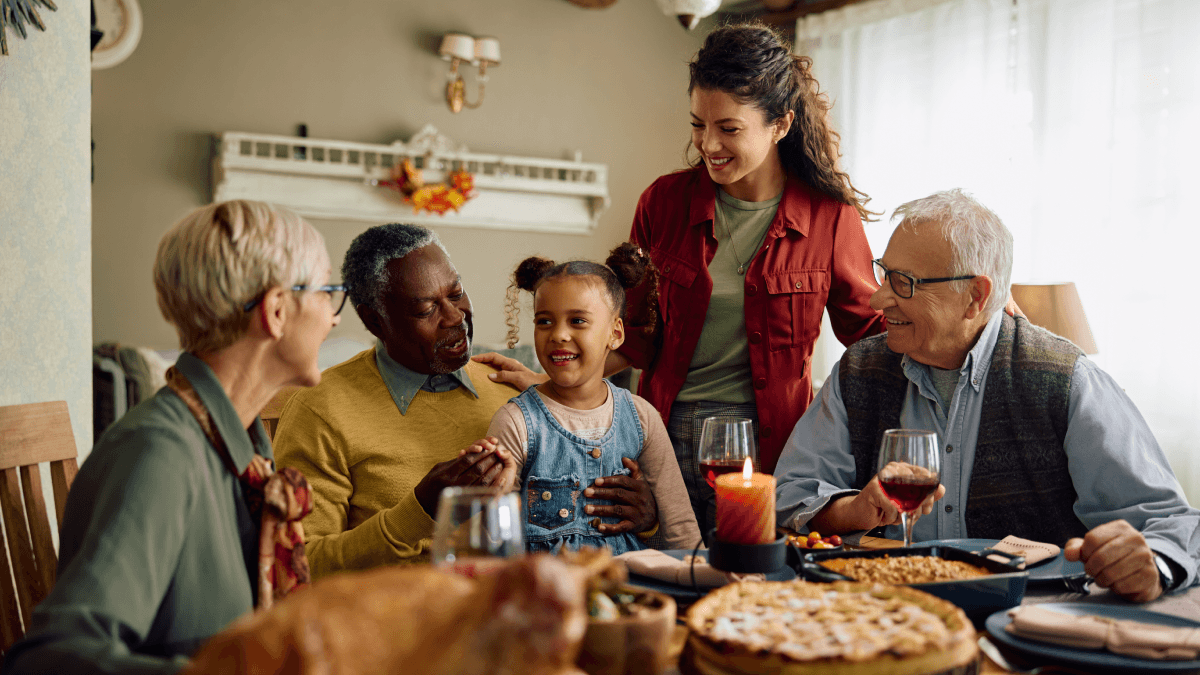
<point>903,284</point>
<point>337,296</point>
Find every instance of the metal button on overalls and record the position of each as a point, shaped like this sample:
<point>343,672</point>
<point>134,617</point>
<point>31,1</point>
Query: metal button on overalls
<point>563,513</point>
<point>546,496</point>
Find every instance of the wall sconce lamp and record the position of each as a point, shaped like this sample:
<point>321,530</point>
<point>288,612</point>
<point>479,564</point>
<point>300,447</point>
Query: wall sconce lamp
<point>458,49</point>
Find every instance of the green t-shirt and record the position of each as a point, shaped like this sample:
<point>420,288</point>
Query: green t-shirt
<point>720,367</point>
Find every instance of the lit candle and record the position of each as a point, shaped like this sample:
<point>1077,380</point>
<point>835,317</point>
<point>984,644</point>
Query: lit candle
<point>746,507</point>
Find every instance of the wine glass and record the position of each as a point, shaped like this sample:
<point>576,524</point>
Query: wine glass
<point>909,469</point>
<point>476,528</point>
<point>725,443</point>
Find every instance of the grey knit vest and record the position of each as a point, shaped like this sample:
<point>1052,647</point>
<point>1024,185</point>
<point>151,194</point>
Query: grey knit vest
<point>1019,483</point>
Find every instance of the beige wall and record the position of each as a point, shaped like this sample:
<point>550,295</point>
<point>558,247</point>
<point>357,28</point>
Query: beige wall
<point>45,228</point>
<point>610,83</point>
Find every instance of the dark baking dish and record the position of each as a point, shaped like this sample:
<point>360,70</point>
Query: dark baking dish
<point>979,597</point>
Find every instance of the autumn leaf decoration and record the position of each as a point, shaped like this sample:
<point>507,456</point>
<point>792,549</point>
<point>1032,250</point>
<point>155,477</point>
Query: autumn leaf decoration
<point>17,13</point>
<point>436,198</point>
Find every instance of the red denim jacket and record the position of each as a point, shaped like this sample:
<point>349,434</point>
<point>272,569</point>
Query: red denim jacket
<point>815,255</point>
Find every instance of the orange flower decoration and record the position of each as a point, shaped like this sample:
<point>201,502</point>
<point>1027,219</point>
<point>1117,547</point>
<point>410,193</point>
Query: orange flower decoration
<point>438,198</point>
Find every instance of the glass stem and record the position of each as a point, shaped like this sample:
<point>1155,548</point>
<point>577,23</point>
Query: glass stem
<point>906,522</point>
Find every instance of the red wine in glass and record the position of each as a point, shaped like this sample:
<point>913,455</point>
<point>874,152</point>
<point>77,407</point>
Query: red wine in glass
<point>710,469</point>
<point>906,495</point>
<point>725,443</point>
<point>908,470</point>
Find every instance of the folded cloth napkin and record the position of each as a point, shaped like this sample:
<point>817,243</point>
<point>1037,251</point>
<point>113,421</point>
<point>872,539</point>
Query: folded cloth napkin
<point>1034,552</point>
<point>658,565</point>
<point>1124,637</point>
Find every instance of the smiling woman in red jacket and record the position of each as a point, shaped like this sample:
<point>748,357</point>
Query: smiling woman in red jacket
<point>753,242</point>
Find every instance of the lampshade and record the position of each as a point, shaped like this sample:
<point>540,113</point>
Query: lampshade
<point>487,49</point>
<point>689,12</point>
<point>1056,307</point>
<point>457,45</point>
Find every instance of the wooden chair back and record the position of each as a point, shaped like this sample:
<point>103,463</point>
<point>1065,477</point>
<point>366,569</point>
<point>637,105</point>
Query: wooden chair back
<point>270,414</point>
<point>30,434</point>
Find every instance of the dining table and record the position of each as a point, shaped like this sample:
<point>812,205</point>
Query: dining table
<point>1182,603</point>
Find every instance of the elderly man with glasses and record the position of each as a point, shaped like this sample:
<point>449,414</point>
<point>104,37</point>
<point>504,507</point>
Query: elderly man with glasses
<point>1035,440</point>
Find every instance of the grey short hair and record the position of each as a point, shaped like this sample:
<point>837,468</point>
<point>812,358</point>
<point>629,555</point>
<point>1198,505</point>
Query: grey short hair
<point>980,243</point>
<point>221,256</point>
<point>365,267</point>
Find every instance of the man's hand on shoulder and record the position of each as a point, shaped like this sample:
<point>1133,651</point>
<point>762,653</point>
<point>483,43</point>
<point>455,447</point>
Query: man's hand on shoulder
<point>482,467</point>
<point>510,371</point>
<point>1117,556</point>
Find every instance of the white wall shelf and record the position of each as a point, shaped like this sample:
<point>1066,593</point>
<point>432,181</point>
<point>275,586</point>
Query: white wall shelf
<point>333,180</point>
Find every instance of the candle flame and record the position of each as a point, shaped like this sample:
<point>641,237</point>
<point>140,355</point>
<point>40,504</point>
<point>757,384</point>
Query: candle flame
<point>747,469</point>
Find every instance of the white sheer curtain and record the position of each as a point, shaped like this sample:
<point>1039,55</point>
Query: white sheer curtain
<point>1078,122</point>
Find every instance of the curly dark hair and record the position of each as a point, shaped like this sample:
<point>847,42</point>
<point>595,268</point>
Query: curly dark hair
<point>627,266</point>
<point>752,63</point>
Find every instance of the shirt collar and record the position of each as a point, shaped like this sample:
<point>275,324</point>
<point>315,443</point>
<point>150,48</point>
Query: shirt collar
<point>242,447</point>
<point>403,384</point>
<point>792,213</point>
<point>978,360</point>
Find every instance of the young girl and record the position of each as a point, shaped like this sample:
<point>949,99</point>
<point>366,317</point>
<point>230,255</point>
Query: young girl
<point>577,427</point>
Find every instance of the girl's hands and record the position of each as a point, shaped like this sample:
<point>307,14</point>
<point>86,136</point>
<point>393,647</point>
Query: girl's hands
<point>503,479</point>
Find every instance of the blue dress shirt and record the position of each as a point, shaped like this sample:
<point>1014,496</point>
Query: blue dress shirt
<point>403,384</point>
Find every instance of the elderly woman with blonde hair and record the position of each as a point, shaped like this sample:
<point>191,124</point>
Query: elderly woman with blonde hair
<point>169,531</point>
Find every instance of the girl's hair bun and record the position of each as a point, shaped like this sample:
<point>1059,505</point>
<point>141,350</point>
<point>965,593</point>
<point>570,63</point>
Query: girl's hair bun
<point>630,263</point>
<point>530,272</point>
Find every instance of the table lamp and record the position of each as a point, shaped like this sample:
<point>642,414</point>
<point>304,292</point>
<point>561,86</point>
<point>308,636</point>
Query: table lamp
<point>1056,307</point>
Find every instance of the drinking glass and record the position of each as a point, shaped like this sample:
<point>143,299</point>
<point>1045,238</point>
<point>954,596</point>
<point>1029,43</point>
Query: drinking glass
<point>476,528</point>
<point>725,443</point>
<point>909,469</point>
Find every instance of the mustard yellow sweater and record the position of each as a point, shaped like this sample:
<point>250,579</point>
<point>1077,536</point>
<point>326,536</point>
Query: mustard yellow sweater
<point>363,458</point>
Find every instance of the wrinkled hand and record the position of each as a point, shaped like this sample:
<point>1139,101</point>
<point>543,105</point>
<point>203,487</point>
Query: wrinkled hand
<point>475,468</point>
<point>871,508</point>
<point>635,502</point>
<point>1119,559</point>
<point>510,371</point>
<point>1011,309</point>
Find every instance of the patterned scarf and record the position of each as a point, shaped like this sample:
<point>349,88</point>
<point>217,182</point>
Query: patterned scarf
<point>277,499</point>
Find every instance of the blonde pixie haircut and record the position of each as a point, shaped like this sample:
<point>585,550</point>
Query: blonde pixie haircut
<point>224,255</point>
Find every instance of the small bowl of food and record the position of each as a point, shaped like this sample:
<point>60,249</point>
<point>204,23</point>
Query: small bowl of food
<point>813,541</point>
<point>629,631</point>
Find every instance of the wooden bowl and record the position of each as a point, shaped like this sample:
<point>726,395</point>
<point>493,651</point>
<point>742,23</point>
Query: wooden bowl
<point>631,645</point>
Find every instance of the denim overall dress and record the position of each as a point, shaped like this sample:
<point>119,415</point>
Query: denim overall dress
<point>559,465</point>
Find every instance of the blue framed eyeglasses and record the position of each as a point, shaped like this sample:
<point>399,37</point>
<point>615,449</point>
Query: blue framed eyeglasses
<point>337,296</point>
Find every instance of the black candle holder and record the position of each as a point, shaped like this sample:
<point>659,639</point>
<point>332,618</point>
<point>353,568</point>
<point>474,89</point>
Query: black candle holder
<point>747,558</point>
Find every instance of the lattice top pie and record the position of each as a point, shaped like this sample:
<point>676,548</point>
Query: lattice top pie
<point>801,627</point>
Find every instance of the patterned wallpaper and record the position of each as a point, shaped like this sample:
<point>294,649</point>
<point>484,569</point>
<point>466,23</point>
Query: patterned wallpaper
<point>45,216</point>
